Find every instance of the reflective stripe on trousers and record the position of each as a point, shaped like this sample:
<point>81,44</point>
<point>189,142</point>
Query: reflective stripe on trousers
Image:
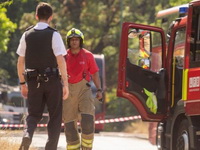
<point>86,144</point>
<point>73,147</point>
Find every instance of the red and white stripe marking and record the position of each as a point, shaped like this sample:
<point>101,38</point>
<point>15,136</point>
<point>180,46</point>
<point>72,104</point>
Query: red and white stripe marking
<point>121,119</point>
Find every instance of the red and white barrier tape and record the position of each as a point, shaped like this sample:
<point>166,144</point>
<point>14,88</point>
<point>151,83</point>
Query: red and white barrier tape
<point>121,119</point>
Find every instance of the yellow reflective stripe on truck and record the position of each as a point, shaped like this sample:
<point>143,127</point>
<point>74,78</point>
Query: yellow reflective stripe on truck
<point>184,84</point>
<point>173,80</point>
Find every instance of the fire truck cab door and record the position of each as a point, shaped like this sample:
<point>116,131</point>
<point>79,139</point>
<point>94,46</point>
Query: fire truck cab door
<point>141,70</point>
<point>191,78</point>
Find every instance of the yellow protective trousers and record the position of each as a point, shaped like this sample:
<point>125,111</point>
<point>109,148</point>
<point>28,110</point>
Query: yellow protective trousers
<point>79,106</point>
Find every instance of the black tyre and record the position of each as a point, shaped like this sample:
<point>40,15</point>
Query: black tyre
<point>182,138</point>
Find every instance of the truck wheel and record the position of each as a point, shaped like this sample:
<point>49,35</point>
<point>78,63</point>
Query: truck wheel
<point>182,139</point>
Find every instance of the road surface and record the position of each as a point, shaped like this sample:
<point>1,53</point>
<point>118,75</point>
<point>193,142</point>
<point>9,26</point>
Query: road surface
<point>102,141</point>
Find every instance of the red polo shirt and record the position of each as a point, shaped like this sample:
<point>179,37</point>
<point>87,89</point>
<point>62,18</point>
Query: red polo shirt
<point>79,63</point>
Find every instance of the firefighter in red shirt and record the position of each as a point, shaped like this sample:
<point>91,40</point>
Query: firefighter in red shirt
<point>79,106</point>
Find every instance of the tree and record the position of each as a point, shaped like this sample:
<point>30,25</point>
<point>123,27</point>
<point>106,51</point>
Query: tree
<point>180,2</point>
<point>6,26</point>
<point>8,59</point>
<point>99,20</point>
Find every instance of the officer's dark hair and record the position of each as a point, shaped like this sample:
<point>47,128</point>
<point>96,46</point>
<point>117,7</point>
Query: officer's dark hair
<point>44,11</point>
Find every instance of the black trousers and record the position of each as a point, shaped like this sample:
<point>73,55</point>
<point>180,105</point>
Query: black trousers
<point>49,94</point>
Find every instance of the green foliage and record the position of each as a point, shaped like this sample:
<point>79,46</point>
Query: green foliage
<point>8,59</point>
<point>27,20</point>
<point>118,107</point>
<point>4,75</point>
<point>180,2</point>
<point>100,21</point>
<point>6,3</point>
<point>7,27</point>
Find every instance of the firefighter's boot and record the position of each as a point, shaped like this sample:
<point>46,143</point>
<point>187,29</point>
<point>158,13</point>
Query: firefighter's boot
<point>86,144</point>
<point>87,136</point>
<point>72,136</point>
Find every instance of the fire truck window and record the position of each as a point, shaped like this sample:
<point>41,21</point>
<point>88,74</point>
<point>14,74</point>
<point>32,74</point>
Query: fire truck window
<point>144,49</point>
<point>195,40</point>
<point>156,52</point>
<point>178,57</point>
<point>179,48</point>
<point>133,46</point>
<point>139,47</point>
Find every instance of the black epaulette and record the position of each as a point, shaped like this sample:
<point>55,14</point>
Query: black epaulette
<point>29,28</point>
<point>52,28</point>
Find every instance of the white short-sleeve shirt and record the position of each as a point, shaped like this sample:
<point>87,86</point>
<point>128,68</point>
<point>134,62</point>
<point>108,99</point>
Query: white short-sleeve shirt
<point>57,42</point>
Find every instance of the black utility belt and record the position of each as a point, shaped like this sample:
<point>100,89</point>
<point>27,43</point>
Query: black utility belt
<point>41,75</point>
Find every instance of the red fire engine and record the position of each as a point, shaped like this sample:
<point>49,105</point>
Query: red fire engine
<point>159,72</point>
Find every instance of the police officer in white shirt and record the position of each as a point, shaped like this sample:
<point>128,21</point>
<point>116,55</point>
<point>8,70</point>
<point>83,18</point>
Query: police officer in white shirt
<point>40,64</point>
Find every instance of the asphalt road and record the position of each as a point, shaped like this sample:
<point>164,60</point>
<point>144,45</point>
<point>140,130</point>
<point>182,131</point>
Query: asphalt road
<point>102,141</point>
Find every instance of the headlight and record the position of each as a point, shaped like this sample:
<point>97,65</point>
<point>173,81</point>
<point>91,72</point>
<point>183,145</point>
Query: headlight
<point>5,120</point>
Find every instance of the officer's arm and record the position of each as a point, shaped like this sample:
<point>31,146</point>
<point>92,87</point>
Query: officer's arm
<point>63,69</point>
<point>21,68</point>
<point>20,71</point>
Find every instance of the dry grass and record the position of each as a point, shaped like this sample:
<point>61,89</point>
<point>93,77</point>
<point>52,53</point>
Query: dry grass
<point>138,127</point>
<point>5,145</point>
<point>8,143</point>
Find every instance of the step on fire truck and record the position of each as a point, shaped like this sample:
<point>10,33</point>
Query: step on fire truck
<point>159,72</point>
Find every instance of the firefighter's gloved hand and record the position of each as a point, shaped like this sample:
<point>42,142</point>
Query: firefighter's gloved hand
<point>99,95</point>
<point>100,100</point>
